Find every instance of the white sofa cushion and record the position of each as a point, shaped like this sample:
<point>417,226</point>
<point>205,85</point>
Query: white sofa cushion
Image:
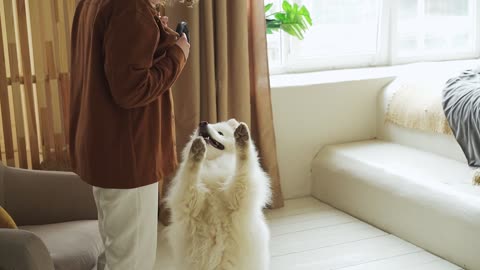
<point>423,198</point>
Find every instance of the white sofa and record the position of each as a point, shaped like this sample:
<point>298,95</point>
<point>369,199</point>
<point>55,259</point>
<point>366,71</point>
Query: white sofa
<point>411,183</point>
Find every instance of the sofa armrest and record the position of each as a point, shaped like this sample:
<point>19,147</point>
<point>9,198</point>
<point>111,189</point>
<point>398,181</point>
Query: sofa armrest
<point>23,250</point>
<point>43,197</point>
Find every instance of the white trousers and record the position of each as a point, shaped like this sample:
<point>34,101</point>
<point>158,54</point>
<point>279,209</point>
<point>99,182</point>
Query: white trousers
<point>127,220</point>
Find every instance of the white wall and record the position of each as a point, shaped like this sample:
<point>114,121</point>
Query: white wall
<point>311,116</point>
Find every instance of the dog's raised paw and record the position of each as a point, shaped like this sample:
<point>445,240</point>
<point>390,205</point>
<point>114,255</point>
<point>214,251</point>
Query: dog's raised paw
<point>242,134</point>
<point>198,148</point>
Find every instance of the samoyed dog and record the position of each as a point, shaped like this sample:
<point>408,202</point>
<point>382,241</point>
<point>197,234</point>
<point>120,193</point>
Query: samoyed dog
<point>217,200</point>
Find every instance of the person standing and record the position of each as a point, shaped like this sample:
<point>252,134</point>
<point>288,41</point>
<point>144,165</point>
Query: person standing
<point>124,59</point>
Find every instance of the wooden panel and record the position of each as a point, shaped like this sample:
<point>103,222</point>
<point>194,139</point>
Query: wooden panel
<point>43,83</point>
<point>16,89</point>
<point>28,84</point>
<point>69,12</point>
<point>5,107</point>
<point>34,81</point>
<point>62,37</point>
<point>64,80</point>
<point>53,59</point>
<point>53,102</point>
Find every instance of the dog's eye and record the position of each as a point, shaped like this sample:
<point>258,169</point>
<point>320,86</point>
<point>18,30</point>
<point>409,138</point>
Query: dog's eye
<point>220,133</point>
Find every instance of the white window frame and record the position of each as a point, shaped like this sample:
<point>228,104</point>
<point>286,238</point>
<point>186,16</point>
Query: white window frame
<point>386,48</point>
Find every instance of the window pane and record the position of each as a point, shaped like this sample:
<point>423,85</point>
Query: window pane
<point>274,47</point>
<point>340,27</point>
<point>407,9</point>
<point>435,27</point>
<point>274,41</point>
<point>447,7</point>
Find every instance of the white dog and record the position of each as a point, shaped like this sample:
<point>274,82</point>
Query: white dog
<point>217,200</point>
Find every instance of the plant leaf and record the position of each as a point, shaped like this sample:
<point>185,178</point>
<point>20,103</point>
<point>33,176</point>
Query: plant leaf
<point>302,23</point>
<point>268,7</point>
<point>281,17</point>
<point>286,6</point>
<point>306,14</point>
<point>289,29</point>
<point>294,20</point>
<point>273,24</point>
<point>298,31</point>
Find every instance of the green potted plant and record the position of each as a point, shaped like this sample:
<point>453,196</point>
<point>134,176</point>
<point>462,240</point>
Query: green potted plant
<point>293,19</point>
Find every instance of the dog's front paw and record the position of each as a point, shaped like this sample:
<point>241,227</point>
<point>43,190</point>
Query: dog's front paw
<point>242,135</point>
<point>198,149</point>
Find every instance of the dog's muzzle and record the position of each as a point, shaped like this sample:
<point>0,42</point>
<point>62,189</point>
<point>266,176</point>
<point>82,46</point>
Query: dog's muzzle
<point>203,131</point>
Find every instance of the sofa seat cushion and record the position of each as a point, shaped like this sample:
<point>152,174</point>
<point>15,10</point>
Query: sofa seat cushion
<point>72,245</point>
<point>423,198</point>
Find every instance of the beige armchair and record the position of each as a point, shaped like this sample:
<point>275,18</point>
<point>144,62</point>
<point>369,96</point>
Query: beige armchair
<point>56,216</point>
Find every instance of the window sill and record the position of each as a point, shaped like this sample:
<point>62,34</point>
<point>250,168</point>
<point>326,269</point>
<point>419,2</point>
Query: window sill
<point>360,74</point>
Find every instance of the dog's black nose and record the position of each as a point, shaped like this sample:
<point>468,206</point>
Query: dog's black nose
<point>203,129</point>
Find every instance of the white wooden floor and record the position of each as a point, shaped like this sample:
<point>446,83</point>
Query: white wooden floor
<point>310,235</point>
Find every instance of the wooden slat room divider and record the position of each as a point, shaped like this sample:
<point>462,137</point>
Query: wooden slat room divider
<point>34,81</point>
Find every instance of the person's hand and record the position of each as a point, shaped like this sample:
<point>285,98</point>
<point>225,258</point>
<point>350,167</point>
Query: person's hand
<point>164,20</point>
<point>182,42</point>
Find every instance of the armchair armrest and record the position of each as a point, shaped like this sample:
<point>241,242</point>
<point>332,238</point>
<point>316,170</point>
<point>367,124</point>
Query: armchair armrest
<point>43,197</point>
<point>23,250</point>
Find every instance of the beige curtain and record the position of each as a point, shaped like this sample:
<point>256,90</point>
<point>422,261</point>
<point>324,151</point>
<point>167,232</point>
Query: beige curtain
<point>227,75</point>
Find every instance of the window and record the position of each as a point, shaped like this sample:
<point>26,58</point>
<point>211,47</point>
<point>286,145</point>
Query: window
<point>435,27</point>
<point>358,33</point>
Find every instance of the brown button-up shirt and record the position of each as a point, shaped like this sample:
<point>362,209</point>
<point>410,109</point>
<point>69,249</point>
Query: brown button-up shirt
<point>123,64</point>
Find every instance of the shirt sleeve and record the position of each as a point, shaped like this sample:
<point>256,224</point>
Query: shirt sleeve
<point>134,76</point>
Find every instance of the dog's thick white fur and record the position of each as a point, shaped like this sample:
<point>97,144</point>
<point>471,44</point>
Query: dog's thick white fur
<point>217,200</point>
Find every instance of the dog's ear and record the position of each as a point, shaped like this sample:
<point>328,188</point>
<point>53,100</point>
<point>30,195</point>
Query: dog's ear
<point>233,123</point>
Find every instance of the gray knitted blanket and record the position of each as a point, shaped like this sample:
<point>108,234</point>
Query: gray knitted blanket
<point>461,103</point>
